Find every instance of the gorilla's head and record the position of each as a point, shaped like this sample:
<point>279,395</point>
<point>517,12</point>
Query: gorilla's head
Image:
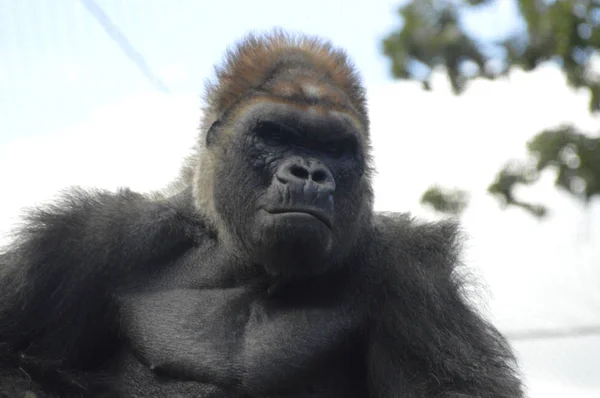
<point>283,171</point>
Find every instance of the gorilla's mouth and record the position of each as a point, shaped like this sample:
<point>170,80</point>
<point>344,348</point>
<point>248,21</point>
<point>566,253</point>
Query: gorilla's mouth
<point>316,213</point>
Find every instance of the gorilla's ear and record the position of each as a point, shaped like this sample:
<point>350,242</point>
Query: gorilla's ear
<point>212,132</point>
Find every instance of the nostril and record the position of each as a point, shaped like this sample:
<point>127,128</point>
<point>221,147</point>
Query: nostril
<point>300,172</point>
<point>319,176</point>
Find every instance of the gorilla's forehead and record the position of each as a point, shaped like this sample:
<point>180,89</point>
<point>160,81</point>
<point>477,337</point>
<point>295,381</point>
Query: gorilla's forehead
<point>307,83</point>
<point>326,119</point>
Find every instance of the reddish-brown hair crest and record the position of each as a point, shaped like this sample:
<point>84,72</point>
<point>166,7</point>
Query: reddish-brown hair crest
<point>251,64</point>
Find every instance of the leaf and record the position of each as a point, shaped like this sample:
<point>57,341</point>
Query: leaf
<point>445,200</point>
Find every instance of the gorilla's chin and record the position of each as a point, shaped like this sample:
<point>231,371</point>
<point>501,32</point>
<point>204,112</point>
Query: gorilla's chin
<point>292,243</point>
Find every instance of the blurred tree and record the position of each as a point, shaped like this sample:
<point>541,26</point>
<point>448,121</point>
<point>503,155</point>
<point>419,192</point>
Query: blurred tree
<point>566,32</point>
<point>445,200</point>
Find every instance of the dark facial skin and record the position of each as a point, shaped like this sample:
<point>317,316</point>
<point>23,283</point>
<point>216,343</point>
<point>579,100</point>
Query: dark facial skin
<point>296,200</point>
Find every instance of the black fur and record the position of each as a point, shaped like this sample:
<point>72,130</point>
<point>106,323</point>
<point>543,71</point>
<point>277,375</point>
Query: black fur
<point>295,288</point>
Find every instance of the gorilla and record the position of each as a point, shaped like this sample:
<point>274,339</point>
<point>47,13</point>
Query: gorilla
<point>263,271</point>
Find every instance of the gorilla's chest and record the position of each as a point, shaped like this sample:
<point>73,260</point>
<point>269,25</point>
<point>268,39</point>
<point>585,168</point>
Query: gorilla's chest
<point>234,337</point>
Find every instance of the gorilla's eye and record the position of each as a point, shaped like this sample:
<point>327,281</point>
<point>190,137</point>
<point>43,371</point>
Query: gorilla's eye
<point>339,148</point>
<point>334,150</point>
<point>271,133</point>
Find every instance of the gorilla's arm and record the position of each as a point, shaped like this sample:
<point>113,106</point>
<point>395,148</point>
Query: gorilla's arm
<point>425,336</point>
<point>58,276</point>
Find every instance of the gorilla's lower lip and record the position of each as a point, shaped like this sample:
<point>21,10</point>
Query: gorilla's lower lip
<point>319,215</point>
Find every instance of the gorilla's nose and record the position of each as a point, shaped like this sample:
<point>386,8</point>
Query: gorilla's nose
<point>306,173</point>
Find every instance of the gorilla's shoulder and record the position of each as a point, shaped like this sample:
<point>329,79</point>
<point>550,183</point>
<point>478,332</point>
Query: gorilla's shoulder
<point>405,241</point>
<point>78,206</point>
<point>123,223</point>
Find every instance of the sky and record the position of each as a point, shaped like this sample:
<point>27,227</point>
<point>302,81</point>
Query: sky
<point>59,64</point>
<point>75,110</point>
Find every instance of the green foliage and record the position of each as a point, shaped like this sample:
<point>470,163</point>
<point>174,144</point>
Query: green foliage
<point>566,32</point>
<point>512,174</point>
<point>573,155</point>
<point>447,201</point>
<point>432,37</point>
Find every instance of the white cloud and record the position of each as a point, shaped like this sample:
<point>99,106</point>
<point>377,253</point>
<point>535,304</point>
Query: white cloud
<point>538,274</point>
<point>73,71</point>
<point>173,73</point>
<point>554,390</point>
<point>137,142</point>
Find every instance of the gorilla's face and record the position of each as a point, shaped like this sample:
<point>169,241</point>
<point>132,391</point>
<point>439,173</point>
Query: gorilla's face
<point>291,185</point>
